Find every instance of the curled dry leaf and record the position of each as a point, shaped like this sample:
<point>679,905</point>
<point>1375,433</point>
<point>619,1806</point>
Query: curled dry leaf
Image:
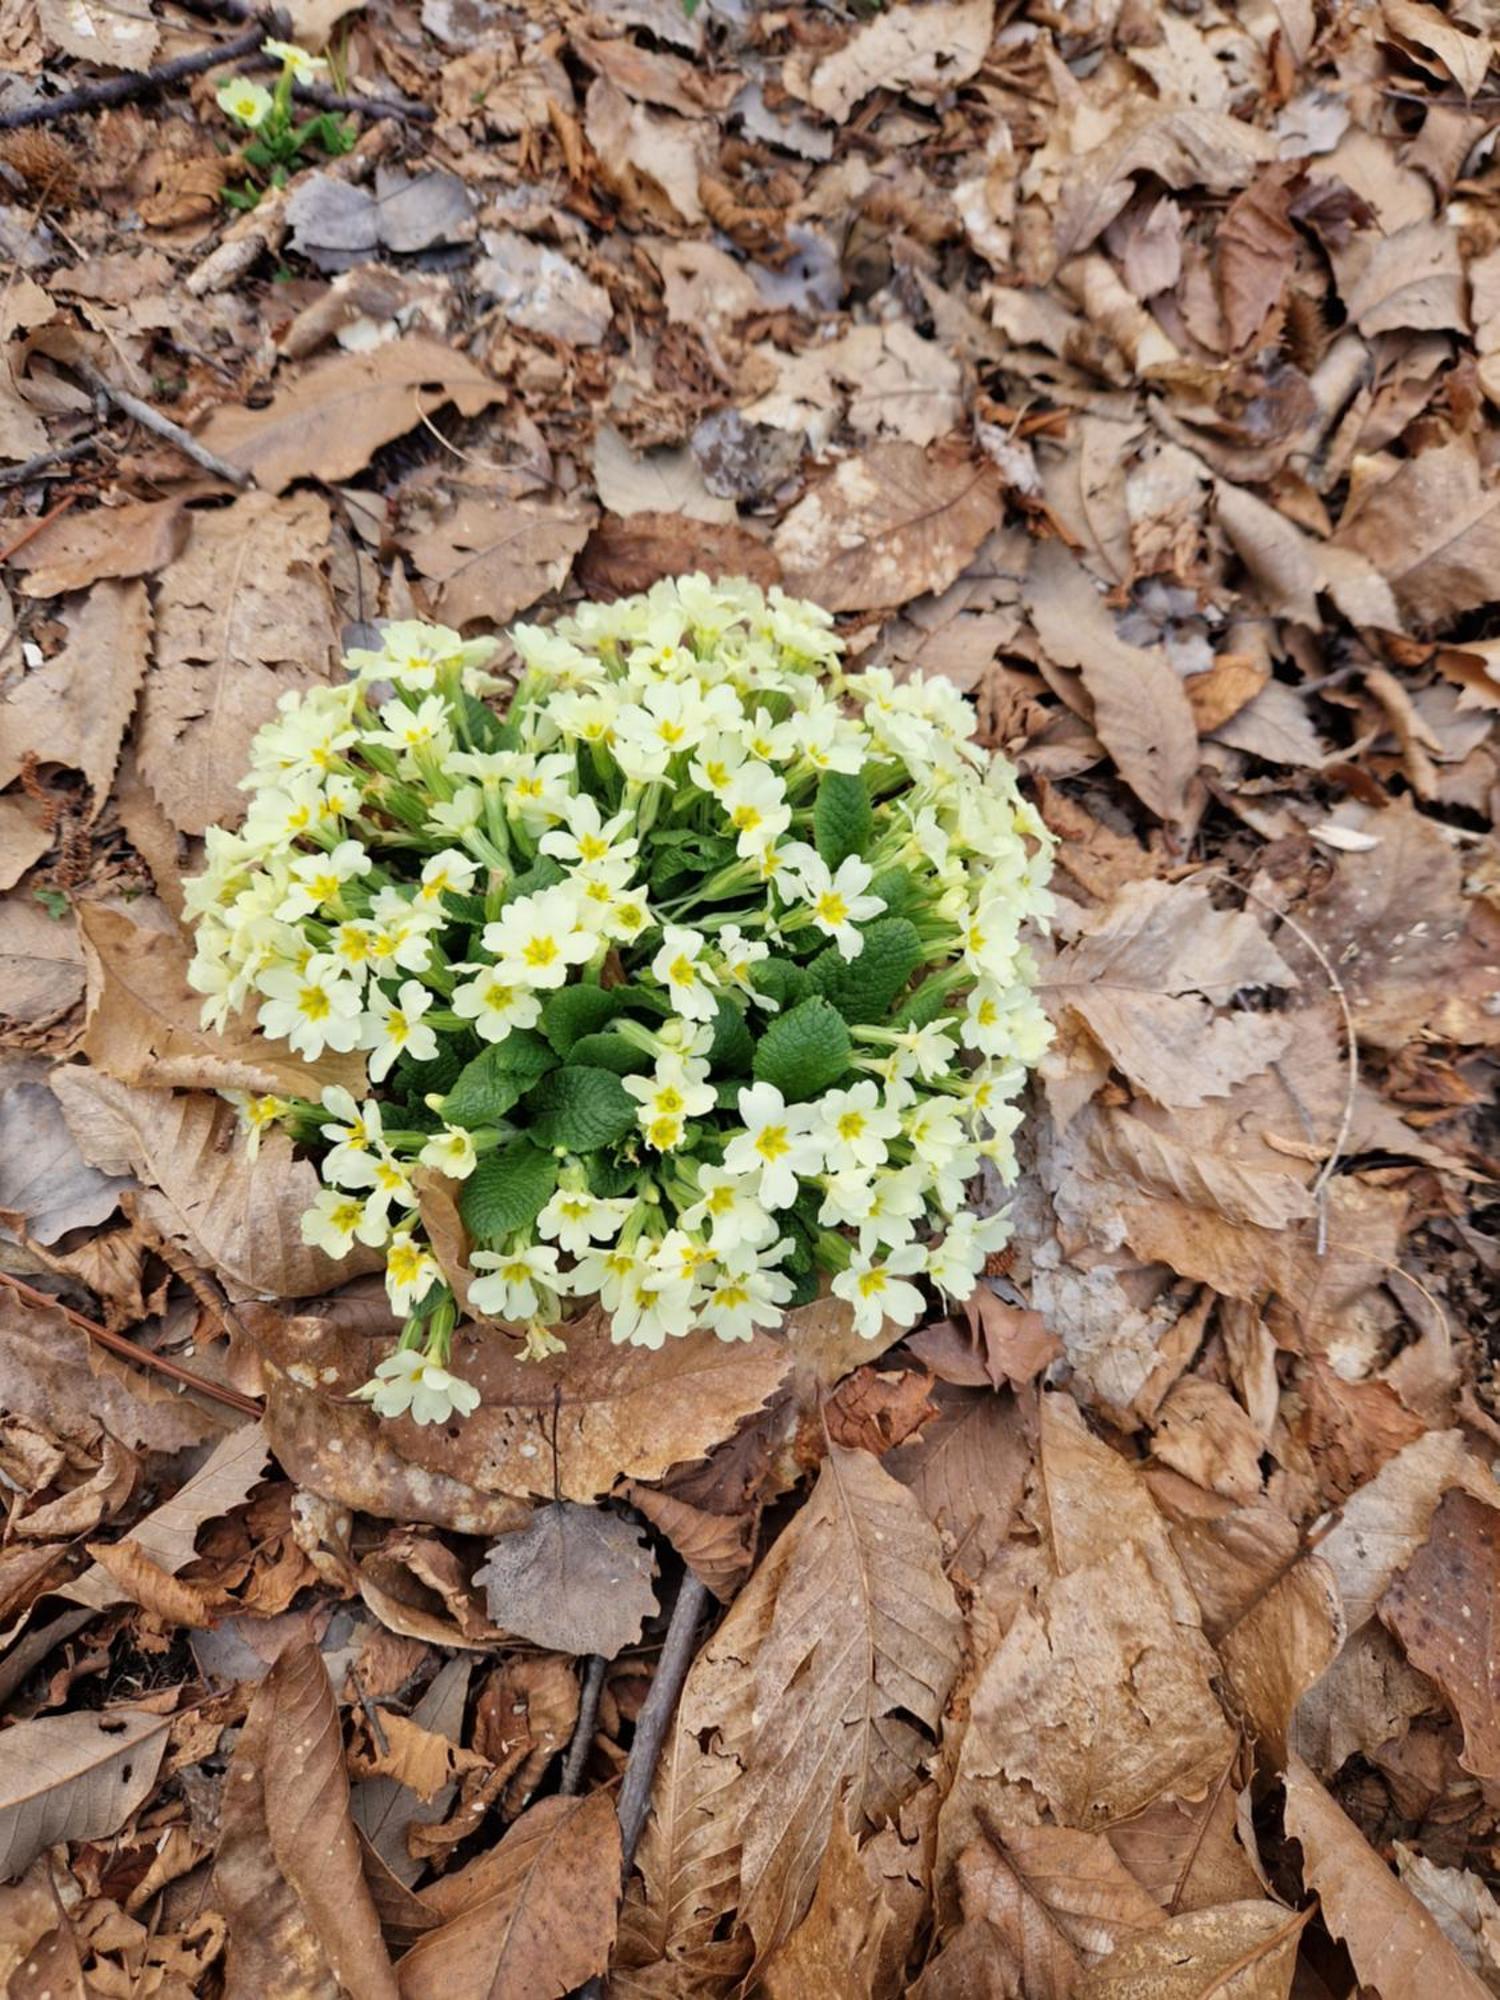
<point>1442,1607</point>
<point>288,1874</point>
<point>77,1776</point>
<point>574,1579</point>
<point>1397,1947</point>
<point>542,1916</point>
<point>1384,1523</point>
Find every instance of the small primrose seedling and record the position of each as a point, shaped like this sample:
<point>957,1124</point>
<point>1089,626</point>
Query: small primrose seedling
<point>279,143</point>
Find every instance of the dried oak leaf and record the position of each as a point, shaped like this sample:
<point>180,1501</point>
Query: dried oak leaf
<point>624,556</point>
<point>717,1548</point>
<point>543,1920</point>
<point>288,1873</point>
<point>44,1179</point>
<point>574,1579</point>
<point>1442,1607</point>
<point>243,616</point>
<point>1397,1947</point>
<point>841,1945</point>
<point>74,708</point>
<point>330,418</point>
<point>887,526</point>
<point>968,1470</point>
<point>77,1776</point>
<point>385,1806</point>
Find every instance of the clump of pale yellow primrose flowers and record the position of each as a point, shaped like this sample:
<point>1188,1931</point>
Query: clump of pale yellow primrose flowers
<point>698,965</point>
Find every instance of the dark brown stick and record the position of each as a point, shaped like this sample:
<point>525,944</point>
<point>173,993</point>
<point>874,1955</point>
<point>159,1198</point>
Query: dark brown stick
<point>656,1713</point>
<point>111,90</point>
<point>164,428</point>
<point>324,99</point>
<point>40,466</point>
<point>583,1730</point>
<point>128,1351</point>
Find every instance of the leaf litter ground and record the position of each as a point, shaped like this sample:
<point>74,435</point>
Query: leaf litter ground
<point>1136,369</point>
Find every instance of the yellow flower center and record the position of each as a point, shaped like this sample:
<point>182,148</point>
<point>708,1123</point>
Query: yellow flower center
<point>682,971</point>
<point>313,1002</point>
<point>871,1284</point>
<point>851,1124</point>
<point>831,908</point>
<point>771,1142</point>
<point>540,951</point>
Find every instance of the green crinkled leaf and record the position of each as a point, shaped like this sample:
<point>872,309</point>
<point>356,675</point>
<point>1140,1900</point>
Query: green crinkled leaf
<point>544,873</point>
<point>611,1052</point>
<point>497,1079</point>
<point>580,1108</point>
<point>924,1006</point>
<point>733,1047</point>
<point>507,1190</point>
<point>898,889</point>
<point>805,1050</point>
<point>843,818</point>
<point>863,988</point>
<point>573,1011</point>
<point>781,980</point>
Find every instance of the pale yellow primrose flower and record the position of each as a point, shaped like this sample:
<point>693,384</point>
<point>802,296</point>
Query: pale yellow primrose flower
<point>305,68</point>
<point>244,100</point>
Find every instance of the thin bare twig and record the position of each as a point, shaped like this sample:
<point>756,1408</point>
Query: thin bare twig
<point>122,89</point>
<point>319,95</point>
<point>651,1729</point>
<point>128,1350</point>
<point>33,528</point>
<point>40,466</point>
<point>164,428</point>
<point>583,1730</point>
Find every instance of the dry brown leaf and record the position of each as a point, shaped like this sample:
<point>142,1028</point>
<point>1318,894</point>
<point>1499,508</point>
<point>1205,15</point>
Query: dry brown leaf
<point>74,1777</point>
<point>922,51</point>
<point>122,37</point>
<point>1288,568</point>
<point>1412,279</point>
<point>1096,1702</point>
<point>848,1633</point>
<point>886,526</point>
<point>1147,973</point>
<point>1256,249</point>
<point>136,1579</point>
<point>1032,1881</point>
<point>384,1808</point>
<point>841,1944</point>
<point>625,556</point>
<point>546,1919</point>
<point>137,539</point>
<point>48,1364</point>
<point>968,1470</point>
<point>1433,530</point>
<point>493,558</point>
<point>422,1760</point>
<point>1397,1948</point>
<point>24,838</point>
<point>717,1548</point>
<point>1183,146</point>
<point>1369,1695</point>
<point>574,1579</point>
<point>143,1019</point>
<point>1203,1433</point>
<point>243,616</point>
<point>167,1536</point>
<point>1415,955</point>
<point>1242,1951</point>
<point>1188,1853</point>
<point>1279,1647</point>
<point>237,1216</point>
<point>1442,1608</point>
<point>1464,1907</point>
<point>654,482</point>
<point>41,964</point>
<point>74,708</point>
<point>332,416</point>
<point>288,1874</point>
<point>1421,28</point>
<point>1141,712</point>
<point>1147,1161</point>
<point>1385,1522</point>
